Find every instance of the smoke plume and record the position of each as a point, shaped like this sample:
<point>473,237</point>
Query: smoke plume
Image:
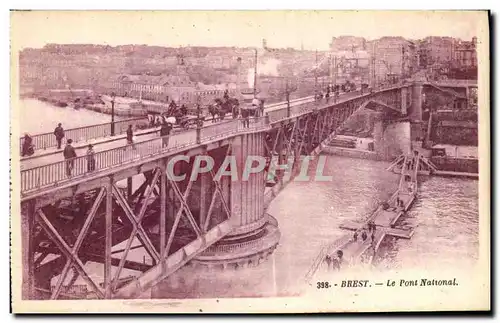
<point>267,68</point>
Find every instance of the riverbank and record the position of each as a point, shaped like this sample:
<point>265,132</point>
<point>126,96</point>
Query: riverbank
<point>351,152</point>
<point>446,166</point>
<point>83,99</point>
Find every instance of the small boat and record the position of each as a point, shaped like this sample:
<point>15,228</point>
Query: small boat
<point>61,104</point>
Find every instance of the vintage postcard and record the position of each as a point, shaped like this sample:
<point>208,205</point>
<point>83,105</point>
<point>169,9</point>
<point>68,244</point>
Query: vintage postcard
<point>250,161</point>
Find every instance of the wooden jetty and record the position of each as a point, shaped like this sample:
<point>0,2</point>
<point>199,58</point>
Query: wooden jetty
<point>356,250</point>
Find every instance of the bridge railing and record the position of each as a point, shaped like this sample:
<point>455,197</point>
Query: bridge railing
<point>52,174</point>
<point>48,139</point>
<point>102,130</point>
<point>55,173</point>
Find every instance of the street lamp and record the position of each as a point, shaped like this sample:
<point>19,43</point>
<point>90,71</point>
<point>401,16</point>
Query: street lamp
<point>113,95</point>
<point>255,75</point>
<point>287,93</point>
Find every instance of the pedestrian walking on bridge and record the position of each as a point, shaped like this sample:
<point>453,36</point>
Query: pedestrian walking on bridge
<point>90,158</point>
<point>59,133</point>
<point>165,129</point>
<point>69,156</point>
<point>245,114</point>
<point>130,136</point>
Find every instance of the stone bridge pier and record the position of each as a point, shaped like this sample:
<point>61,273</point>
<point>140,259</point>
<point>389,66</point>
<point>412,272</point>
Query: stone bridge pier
<point>391,139</point>
<point>394,133</point>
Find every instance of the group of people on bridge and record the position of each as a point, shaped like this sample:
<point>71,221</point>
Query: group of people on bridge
<point>334,90</point>
<point>70,154</point>
<point>218,112</point>
<point>28,148</point>
<point>232,105</point>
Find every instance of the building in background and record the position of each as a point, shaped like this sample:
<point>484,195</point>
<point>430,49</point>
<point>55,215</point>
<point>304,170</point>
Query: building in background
<point>393,59</point>
<point>436,55</point>
<point>464,62</point>
<point>435,51</point>
<point>352,66</point>
<point>348,43</point>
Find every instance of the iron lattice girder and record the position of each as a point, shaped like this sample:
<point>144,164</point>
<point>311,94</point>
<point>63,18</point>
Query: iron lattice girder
<point>218,192</point>
<point>291,138</point>
<point>138,230</point>
<point>78,244</point>
<point>309,129</point>
<point>137,225</point>
<point>67,251</point>
<point>182,197</point>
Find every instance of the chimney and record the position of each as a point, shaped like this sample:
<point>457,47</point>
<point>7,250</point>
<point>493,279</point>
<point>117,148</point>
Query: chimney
<point>238,80</point>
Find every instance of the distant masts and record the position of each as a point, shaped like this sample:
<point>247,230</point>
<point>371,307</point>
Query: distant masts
<point>316,72</point>
<point>255,75</point>
<point>238,80</point>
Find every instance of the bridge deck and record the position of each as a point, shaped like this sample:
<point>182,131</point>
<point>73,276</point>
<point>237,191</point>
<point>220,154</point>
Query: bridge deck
<point>45,143</point>
<point>49,170</point>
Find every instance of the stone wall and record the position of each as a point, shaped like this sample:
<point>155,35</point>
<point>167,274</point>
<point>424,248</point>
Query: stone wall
<point>463,165</point>
<point>455,135</point>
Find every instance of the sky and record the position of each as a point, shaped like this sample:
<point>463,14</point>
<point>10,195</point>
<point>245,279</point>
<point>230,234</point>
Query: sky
<point>312,29</point>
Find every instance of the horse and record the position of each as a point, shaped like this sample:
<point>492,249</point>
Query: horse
<point>227,106</point>
<point>214,111</point>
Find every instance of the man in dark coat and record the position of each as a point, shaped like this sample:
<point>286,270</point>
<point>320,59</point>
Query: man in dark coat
<point>245,114</point>
<point>59,133</point>
<point>28,149</point>
<point>69,155</point>
<point>130,136</point>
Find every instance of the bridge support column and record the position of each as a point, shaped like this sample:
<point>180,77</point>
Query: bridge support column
<point>28,259</point>
<point>404,100</point>
<point>129,189</point>
<point>255,234</point>
<point>108,241</point>
<point>416,102</point>
<point>378,136</point>
<point>163,213</point>
<point>205,193</point>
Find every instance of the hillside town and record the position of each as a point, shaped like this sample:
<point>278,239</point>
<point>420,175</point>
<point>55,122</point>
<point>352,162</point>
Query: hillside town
<point>184,74</point>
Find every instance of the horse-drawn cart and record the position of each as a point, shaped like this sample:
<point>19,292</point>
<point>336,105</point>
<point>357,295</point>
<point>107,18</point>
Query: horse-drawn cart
<point>188,121</point>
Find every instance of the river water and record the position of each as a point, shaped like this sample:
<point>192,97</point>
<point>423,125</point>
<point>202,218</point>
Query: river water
<point>38,117</point>
<point>445,217</point>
